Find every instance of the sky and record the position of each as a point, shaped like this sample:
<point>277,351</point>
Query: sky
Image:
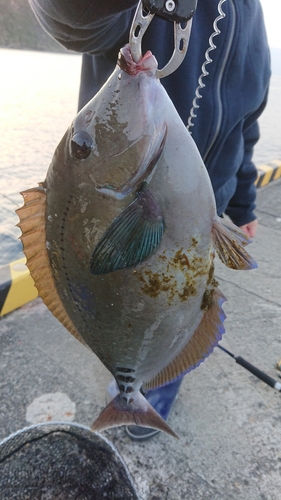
<point>272,11</point>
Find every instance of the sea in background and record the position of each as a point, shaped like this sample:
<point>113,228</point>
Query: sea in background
<point>38,100</point>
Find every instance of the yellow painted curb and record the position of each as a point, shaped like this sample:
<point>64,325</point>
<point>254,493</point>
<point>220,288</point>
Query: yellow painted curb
<point>16,286</point>
<point>268,172</point>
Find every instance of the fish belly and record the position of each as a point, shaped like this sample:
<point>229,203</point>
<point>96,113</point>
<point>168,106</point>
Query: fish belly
<point>139,317</point>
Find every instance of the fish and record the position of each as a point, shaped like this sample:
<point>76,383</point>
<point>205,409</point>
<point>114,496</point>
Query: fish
<point>120,240</point>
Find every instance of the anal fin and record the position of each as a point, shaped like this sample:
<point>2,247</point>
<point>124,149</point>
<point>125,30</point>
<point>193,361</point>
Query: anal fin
<point>205,338</point>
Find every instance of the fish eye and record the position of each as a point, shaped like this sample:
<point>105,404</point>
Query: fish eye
<point>81,145</point>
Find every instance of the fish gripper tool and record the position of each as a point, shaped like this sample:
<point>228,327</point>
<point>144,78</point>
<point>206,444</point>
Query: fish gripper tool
<point>180,12</point>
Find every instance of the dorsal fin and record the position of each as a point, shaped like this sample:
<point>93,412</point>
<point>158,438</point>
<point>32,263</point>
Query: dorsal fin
<point>33,238</point>
<point>205,338</point>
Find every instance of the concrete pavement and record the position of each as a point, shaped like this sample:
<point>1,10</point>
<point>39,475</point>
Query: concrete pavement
<point>229,422</point>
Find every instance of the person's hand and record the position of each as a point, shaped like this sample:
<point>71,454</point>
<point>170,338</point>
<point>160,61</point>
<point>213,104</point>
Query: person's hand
<point>251,228</point>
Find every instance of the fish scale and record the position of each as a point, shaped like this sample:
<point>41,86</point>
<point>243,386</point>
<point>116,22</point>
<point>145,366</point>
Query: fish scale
<point>120,240</point>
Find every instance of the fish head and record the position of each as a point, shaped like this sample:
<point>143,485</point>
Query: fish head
<point>104,161</point>
<point>117,136</point>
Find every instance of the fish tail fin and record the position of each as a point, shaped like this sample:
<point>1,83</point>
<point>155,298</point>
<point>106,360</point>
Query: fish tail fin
<point>138,412</point>
<point>229,242</point>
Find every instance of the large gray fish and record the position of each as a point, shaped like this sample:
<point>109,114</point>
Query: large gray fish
<point>120,240</point>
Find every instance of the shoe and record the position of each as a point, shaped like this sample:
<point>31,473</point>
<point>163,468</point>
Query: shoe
<point>162,400</point>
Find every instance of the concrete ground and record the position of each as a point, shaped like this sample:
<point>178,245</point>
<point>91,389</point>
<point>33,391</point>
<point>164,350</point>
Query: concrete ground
<point>229,422</point>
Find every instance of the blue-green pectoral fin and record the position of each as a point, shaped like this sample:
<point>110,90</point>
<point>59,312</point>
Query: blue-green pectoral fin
<point>132,237</point>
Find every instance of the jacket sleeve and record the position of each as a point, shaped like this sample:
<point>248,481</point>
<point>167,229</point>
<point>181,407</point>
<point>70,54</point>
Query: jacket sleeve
<point>88,26</point>
<point>255,82</point>
<point>242,205</point>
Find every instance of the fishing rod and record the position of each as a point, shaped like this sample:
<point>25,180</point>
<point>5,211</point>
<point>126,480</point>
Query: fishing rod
<point>255,371</point>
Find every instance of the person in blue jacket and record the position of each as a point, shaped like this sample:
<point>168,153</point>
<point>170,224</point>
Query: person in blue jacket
<point>234,84</point>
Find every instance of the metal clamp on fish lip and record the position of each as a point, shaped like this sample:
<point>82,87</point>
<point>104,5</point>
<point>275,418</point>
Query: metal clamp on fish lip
<point>180,12</point>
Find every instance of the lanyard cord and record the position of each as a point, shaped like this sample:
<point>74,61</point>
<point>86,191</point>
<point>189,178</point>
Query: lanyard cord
<point>208,60</point>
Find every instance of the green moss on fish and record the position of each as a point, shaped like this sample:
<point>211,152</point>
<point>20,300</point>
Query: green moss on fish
<point>154,283</point>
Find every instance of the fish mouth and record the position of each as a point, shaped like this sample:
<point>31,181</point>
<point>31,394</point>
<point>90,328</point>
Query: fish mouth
<point>147,63</point>
<point>146,169</point>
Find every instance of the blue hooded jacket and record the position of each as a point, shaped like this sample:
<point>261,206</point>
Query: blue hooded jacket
<point>225,127</point>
